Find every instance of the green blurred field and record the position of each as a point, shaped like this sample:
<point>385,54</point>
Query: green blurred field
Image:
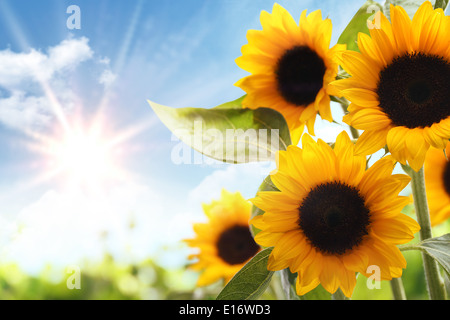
<point>147,280</point>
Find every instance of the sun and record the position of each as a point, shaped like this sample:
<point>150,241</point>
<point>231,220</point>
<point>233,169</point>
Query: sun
<point>83,156</point>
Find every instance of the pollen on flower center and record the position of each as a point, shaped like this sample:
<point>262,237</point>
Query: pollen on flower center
<point>334,217</point>
<point>236,245</point>
<point>413,90</point>
<point>300,73</point>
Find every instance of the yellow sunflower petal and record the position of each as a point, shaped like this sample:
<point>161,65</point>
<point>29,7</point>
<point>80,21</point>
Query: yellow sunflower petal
<point>304,285</point>
<point>370,141</point>
<point>396,115</point>
<point>329,277</point>
<point>347,280</point>
<point>362,97</point>
<point>267,239</point>
<point>350,168</point>
<point>436,168</point>
<point>261,57</point>
<point>370,50</point>
<point>281,221</point>
<point>396,143</point>
<point>380,170</point>
<point>227,216</point>
<point>304,236</point>
<point>359,66</point>
<point>356,261</point>
<point>370,119</point>
<point>270,201</point>
<point>401,26</point>
<point>276,264</point>
<point>397,230</point>
<point>287,246</point>
<point>391,253</point>
<point>434,139</point>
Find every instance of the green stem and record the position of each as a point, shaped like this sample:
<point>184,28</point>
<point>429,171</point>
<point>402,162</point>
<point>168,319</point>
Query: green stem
<point>439,4</point>
<point>339,295</point>
<point>276,289</point>
<point>434,282</point>
<point>397,289</point>
<point>286,286</point>
<point>409,247</point>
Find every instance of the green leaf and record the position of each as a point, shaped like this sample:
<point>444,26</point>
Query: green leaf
<point>439,249</point>
<point>251,281</point>
<point>228,133</point>
<point>447,283</point>
<point>235,104</point>
<point>359,24</point>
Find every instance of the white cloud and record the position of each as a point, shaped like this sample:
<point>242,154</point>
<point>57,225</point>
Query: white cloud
<point>107,78</point>
<point>245,178</point>
<point>64,228</point>
<point>17,69</point>
<point>69,53</point>
<point>35,83</point>
<point>22,111</point>
<point>104,60</point>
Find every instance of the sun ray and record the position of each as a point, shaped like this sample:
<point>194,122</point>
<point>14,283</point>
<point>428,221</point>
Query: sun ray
<point>14,26</point>
<point>19,34</point>
<point>77,153</point>
<point>132,27</point>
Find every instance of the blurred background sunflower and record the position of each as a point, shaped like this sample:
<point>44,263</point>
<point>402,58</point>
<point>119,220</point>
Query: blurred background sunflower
<point>225,242</point>
<point>437,182</point>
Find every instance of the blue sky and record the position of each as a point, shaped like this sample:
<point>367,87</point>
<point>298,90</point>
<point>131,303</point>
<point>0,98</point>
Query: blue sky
<point>177,53</point>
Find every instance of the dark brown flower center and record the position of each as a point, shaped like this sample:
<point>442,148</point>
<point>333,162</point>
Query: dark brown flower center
<point>236,245</point>
<point>414,90</point>
<point>334,218</point>
<point>300,73</point>
<point>446,177</point>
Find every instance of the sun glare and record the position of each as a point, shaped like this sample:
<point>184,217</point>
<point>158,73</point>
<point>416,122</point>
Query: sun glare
<point>84,157</point>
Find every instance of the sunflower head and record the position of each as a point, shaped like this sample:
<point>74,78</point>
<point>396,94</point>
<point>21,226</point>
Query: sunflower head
<point>399,85</point>
<point>225,242</point>
<point>333,218</point>
<point>437,182</point>
<point>291,66</point>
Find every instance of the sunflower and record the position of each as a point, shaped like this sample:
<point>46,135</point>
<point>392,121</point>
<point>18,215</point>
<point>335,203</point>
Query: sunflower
<point>399,85</point>
<point>225,242</point>
<point>332,217</point>
<point>437,182</point>
<point>291,66</point>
